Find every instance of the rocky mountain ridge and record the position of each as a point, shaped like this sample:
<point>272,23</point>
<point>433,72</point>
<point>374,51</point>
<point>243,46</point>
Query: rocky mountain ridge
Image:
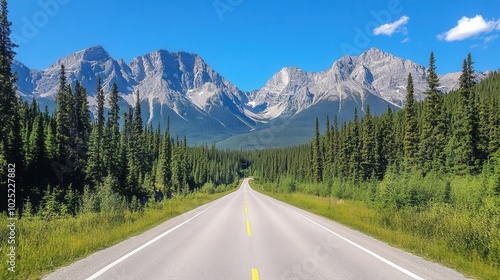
<point>201,101</point>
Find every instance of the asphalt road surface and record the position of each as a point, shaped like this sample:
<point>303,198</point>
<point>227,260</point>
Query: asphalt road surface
<point>247,235</point>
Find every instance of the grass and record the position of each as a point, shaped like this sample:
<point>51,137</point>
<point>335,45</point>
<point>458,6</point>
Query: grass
<point>357,215</point>
<point>47,245</point>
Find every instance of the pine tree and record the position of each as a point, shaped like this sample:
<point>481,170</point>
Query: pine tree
<point>123,155</point>
<point>353,153</point>
<point>186,168</point>
<point>433,141</point>
<point>432,77</point>
<point>163,169</point>
<point>410,144</point>
<point>36,160</point>
<point>96,170</point>
<point>80,126</point>
<point>389,152</point>
<point>11,150</point>
<point>343,152</point>
<point>328,152</point>
<point>176,168</point>
<point>99,119</point>
<point>135,153</point>
<point>64,163</point>
<point>317,159</point>
<point>82,116</point>
<point>50,140</point>
<point>462,145</point>
<point>483,127</point>
<point>138,137</point>
<point>368,146</point>
<point>467,80</point>
<point>494,130</point>
<point>8,102</point>
<point>114,110</point>
<point>335,147</point>
<point>62,116</point>
<point>112,135</point>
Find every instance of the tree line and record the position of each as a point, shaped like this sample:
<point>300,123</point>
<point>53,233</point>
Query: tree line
<point>67,154</point>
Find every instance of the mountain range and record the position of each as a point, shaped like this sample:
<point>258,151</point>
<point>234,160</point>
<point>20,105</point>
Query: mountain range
<point>207,108</point>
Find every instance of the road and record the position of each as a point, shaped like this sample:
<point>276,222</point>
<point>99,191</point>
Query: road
<point>247,235</point>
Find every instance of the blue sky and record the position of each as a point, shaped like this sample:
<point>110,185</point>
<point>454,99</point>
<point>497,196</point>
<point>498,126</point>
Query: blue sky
<point>247,41</point>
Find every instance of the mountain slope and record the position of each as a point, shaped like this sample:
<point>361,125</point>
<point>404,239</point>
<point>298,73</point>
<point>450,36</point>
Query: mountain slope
<point>206,107</point>
<point>374,72</point>
<point>180,85</point>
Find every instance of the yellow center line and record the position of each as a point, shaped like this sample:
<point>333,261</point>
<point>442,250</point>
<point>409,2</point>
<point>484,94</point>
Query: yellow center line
<point>246,210</point>
<point>255,274</point>
<point>249,231</point>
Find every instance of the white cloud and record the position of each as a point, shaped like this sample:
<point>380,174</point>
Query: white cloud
<point>469,27</point>
<point>490,38</point>
<point>391,28</point>
<point>406,40</point>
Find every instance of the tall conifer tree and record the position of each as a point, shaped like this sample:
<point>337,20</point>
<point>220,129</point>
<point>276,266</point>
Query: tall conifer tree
<point>433,141</point>
<point>317,159</point>
<point>410,144</point>
<point>462,149</point>
<point>96,167</point>
<point>368,145</point>
<point>10,134</point>
<point>353,151</point>
<point>112,135</point>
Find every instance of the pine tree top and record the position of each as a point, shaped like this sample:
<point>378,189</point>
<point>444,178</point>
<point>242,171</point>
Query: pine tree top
<point>432,77</point>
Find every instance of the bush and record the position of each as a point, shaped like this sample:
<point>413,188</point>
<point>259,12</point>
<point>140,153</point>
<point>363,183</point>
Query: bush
<point>208,188</point>
<point>90,201</point>
<point>287,185</point>
<point>49,208</point>
<point>109,200</point>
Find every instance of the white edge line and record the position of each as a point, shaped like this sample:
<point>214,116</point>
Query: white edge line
<point>109,266</point>
<point>405,271</point>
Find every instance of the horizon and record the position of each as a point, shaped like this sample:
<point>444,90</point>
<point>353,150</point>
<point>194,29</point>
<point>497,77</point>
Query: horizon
<point>247,42</point>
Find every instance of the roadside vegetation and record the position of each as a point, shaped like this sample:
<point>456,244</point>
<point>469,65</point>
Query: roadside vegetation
<point>461,233</point>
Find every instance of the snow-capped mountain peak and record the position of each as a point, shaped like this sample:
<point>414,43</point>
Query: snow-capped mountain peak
<point>182,85</point>
<point>373,73</point>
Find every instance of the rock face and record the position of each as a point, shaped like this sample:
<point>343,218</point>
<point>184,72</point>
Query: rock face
<point>205,106</point>
<point>179,85</point>
<point>374,72</point>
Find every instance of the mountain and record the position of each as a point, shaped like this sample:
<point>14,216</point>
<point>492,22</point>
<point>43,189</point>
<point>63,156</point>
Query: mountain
<point>208,108</point>
<point>374,72</point>
<point>199,101</point>
<point>293,98</point>
<point>184,82</point>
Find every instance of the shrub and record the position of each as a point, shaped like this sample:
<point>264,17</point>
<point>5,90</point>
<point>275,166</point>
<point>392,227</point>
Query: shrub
<point>208,188</point>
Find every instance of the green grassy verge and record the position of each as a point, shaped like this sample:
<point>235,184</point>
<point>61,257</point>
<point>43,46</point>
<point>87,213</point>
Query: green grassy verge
<point>46,245</point>
<point>357,215</point>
